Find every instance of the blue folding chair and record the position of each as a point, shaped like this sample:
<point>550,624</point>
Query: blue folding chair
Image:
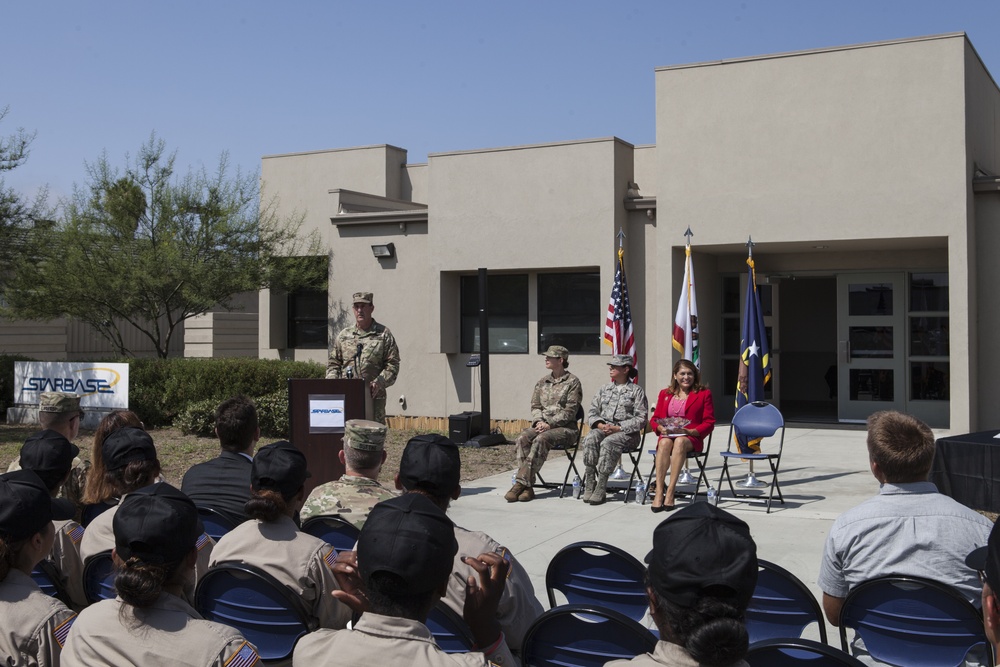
<point>752,421</point>
<point>781,606</point>
<point>913,622</point>
<point>99,577</point>
<point>578,635</point>
<point>450,631</point>
<point>700,459</point>
<point>216,524</point>
<point>598,574</point>
<point>798,653</point>
<point>333,529</point>
<point>249,599</point>
<point>46,575</point>
<point>570,452</point>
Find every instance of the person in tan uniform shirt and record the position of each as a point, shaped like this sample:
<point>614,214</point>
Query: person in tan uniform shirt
<point>50,455</point>
<point>400,570</point>
<point>431,466</point>
<point>156,531</point>
<point>130,464</point>
<point>273,542</point>
<point>33,625</point>
<point>701,574</point>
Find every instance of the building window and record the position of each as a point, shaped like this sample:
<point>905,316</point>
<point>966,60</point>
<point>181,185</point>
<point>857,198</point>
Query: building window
<point>569,311</point>
<point>307,319</point>
<point>508,314</point>
<point>930,346</point>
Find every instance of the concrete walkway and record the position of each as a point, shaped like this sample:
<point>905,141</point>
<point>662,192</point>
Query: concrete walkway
<point>823,472</point>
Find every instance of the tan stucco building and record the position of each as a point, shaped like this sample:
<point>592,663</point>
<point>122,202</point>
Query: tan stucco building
<point>866,176</point>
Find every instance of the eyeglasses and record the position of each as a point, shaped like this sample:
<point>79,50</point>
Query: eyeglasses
<point>982,577</point>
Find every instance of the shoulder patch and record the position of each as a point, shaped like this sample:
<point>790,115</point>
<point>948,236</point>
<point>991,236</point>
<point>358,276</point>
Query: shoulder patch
<point>203,541</point>
<point>507,556</point>
<point>61,631</point>
<point>330,558</point>
<point>245,657</point>
<point>75,532</point>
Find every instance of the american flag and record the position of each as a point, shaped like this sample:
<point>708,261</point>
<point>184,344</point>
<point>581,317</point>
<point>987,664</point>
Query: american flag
<point>618,325</point>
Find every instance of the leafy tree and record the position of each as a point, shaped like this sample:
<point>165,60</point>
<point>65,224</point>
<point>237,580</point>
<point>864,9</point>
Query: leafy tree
<point>16,212</point>
<point>144,248</point>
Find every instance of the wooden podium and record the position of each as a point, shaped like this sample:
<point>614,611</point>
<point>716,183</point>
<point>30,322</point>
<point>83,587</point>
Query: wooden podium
<point>317,411</point>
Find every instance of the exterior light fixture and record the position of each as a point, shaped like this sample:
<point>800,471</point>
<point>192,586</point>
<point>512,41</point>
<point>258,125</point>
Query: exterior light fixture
<point>384,251</point>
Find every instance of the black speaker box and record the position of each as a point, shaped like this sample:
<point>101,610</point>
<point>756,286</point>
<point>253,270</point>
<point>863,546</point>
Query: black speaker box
<point>464,426</point>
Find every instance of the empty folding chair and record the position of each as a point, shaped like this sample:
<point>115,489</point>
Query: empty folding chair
<point>782,606</point>
<point>598,574</point>
<point>752,421</point>
<point>333,529</point>
<point>913,622</point>
<point>578,635</point>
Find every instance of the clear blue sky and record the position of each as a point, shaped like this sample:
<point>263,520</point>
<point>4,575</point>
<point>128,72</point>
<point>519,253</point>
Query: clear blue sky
<point>255,78</point>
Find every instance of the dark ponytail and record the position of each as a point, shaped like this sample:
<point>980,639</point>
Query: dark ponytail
<point>9,551</point>
<point>266,505</point>
<point>140,583</point>
<point>712,632</point>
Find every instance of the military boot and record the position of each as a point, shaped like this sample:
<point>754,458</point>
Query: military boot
<point>600,489</point>
<point>588,486</point>
<point>515,491</point>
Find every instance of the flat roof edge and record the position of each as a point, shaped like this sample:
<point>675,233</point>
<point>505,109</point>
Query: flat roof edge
<point>550,144</point>
<point>332,150</point>
<point>829,49</point>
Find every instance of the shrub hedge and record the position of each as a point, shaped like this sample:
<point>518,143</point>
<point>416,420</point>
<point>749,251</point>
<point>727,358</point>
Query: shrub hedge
<point>183,391</point>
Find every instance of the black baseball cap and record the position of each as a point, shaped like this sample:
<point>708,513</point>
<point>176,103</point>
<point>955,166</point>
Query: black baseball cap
<point>48,450</point>
<point>26,505</point>
<point>411,537</point>
<point>156,524</point>
<point>431,462</point>
<point>703,551</point>
<point>280,467</point>
<point>126,445</point>
<point>987,560</point>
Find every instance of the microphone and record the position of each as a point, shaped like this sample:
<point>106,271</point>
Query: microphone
<point>357,360</point>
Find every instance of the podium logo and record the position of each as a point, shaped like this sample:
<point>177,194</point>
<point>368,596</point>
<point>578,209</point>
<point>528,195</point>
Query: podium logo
<point>327,411</point>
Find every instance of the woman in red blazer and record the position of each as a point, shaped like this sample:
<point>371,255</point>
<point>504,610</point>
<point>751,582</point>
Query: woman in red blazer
<point>685,398</point>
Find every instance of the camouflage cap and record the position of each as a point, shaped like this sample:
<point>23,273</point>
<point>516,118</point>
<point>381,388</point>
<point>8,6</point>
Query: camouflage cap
<point>59,402</point>
<point>621,360</point>
<point>363,297</point>
<point>364,435</point>
<point>557,351</point>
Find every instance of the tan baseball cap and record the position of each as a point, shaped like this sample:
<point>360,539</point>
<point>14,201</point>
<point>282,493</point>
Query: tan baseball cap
<point>58,402</point>
<point>557,351</point>
<point>363,297</point>
<point>364,435</point>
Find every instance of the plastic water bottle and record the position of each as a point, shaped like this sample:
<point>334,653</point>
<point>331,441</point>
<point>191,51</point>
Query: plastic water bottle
<point>713,496</point>
<point>577,488</point>
<point>640,490</point>
<point>513,479</point>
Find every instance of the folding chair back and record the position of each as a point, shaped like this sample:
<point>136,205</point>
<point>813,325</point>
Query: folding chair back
<point>570,451</point>
<point>46,575</point>
<point>216,524</point>
<point>752,421</point>
<point>99,577</point>
<point>797,653</point>
<point>781,606</point>
<point>598,574</point>
<point>333,529</point>
<point>249,599</point>
<point>583,636</point>
<point>450,631</point>
<point>634,455</point>
<point>700,459</point>
<point>912,621</point>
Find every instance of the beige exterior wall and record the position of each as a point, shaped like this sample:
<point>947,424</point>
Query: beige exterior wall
<point>835,161</point>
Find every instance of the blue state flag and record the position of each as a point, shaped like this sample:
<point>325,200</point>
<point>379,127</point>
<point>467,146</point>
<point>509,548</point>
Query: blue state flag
<point>755,360</point>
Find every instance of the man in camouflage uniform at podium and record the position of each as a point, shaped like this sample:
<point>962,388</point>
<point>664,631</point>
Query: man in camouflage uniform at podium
<point>368,351</point>
<point>358,490</point>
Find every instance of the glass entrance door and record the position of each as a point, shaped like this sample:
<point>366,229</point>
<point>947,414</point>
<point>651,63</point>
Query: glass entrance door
<point>871,344</point>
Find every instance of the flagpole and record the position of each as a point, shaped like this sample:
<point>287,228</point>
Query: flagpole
<point>751,481</point>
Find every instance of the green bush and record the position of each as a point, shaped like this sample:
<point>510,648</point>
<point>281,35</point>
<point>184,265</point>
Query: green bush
<point>272,413</point>
<point>161,389</point>
<point>7,381</point>
<point>197,418</point>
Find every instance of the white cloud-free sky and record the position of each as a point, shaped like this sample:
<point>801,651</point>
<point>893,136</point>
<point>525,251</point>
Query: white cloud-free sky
<point>255,78</point>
